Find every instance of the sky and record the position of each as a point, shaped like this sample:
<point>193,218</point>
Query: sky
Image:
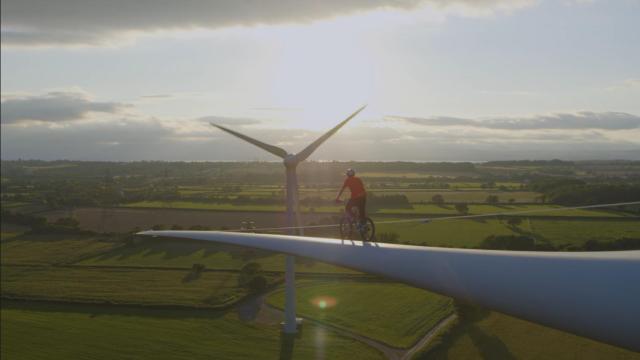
<point>454,80</point>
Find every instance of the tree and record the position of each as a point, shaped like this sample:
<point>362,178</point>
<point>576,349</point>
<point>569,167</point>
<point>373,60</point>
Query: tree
<point>437,199</point>
<point>514,221</point>
<point>492,199</point>
<point>251,277</point>
<point>67,222</point>
<point>462,208</point>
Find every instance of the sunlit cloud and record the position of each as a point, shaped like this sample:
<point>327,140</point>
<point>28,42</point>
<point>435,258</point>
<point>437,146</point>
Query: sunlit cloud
<point>55,106</point>
<point>155,139</point>
<point>37,23</point>
<point>580,120</point>
<point>630,83</point>
<point>224,120</point>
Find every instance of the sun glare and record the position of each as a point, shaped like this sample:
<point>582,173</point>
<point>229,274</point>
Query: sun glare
<point>326,69</point>
<point>324,302</point>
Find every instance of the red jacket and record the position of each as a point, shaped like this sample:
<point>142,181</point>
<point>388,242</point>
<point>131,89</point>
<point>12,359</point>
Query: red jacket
<point>356,186</point>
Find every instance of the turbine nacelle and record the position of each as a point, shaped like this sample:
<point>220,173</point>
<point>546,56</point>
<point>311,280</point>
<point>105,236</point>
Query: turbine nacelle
<point>290,161</point>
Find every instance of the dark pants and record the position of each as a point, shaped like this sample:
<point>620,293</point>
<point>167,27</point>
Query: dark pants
<point>359,203</point>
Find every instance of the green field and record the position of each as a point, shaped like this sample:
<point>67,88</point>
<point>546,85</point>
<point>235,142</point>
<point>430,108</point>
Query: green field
<point>41,249</point>
<point>389,312</point>
<point>468,196</point>
<point>526,210</point>
<point>160,252</point>
<point>470,233</point>
<point>8,231</point>
<point>202,206</point>
<point>415,209</point>
<point>12,204</point>
<point>461,194</point>
<point>46,331</point>
<point>122,286</point>
<point>498,336</point>
<point>577,232</point>
<point>53,249</point>
<point>459,233</point>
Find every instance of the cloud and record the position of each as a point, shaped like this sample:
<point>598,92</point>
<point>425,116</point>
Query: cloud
<point>124,139</point>
<point>157,96</point>
<point>52,107</point>
<point>629,83</point>
<point>562,121</point>
<point>99,22</point>
<point>70,125</point>
<point>223,120</point>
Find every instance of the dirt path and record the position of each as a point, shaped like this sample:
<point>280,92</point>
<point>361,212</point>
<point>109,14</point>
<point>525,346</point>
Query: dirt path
<point>428,336</point>
<point>258,310</point>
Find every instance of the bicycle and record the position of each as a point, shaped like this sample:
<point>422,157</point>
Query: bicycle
<point>350,221</point>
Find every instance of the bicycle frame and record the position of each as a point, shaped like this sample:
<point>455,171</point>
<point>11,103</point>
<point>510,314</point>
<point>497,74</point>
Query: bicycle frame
<point>352,218</point>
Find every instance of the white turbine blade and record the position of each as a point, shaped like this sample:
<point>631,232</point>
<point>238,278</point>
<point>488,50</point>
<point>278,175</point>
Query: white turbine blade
<point>279,152</point>
<point>593,294</point>
<point>304,154</point>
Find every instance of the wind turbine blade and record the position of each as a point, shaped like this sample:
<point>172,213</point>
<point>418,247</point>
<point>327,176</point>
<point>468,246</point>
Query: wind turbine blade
<point>304,154</point>
<point>279,152</point>
<point>586,293</point>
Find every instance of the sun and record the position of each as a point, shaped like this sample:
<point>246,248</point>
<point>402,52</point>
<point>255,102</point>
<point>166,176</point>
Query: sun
<point>324,70</point>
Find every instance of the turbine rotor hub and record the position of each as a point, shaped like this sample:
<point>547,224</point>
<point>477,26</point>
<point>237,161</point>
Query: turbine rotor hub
<point>290,161</point>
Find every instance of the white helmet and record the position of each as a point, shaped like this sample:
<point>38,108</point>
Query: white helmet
<point>350,172</point>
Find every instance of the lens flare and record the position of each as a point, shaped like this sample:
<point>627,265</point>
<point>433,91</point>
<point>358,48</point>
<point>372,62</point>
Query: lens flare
<point>324,302</point>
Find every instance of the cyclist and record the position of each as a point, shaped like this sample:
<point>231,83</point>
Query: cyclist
<point>358,195</point>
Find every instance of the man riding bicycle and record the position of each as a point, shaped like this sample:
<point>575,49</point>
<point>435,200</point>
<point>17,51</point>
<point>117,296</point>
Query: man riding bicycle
<point>358,195</point>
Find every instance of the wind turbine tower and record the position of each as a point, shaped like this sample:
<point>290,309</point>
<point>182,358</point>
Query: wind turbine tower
<point>291,162</point>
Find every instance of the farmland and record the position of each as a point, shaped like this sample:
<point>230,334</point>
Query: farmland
<point>491,335</point>
<point>403,313</point>
<point>469,233</point>
<point>47,249</point>
<point>122,286</point>
<point>81,268</point>
<point>94,332</point>
<point>183,254</point>
<point>415,209</point>
<point>8,231</point>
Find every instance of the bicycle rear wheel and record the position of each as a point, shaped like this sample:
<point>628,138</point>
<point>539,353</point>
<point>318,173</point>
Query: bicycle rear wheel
<point>346,228</point>
<point>367,230</point>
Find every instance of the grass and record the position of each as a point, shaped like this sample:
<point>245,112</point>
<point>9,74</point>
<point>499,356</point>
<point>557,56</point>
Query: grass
<point>9,231</point>
<point>498,336</point>
<point>202,206</point>
<point>448,209</point>
<point>162,252</point>
<point>577,232</point>
<point>458,233</point>
<point>122,286</point>
<point>470,233</point>
<point>475,195</point>
<point>129,219</point>
<point>39,249</point>
<point>456,196</point>
<point>389,312</point>
<point>12,204</point>
<point>416,209</point>
<point>45,249</point>
<point>45,331</point>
